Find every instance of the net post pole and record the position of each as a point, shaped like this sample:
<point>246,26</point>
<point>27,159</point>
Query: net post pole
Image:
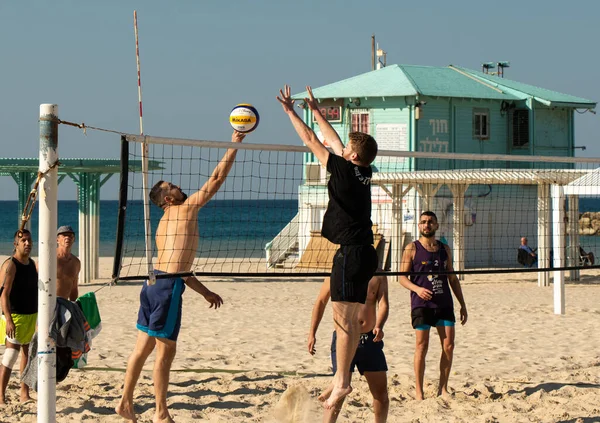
<point>46,355</point>
<point>558,238</point>
<point>145,152</point>
<point>122,208</point>
<point>544,242</point>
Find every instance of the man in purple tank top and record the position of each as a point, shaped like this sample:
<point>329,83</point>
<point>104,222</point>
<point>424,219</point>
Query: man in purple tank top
<point>430,298</point>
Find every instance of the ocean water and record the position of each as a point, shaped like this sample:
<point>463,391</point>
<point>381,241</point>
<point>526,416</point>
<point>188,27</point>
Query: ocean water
<point>228,228</point>
<point>232,228</point>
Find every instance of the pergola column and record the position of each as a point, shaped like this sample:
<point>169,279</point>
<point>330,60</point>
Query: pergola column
<point>83,196</point>
<point>398,192</point>
<point>573,231</point>
<point>427,193</point>
<point>544,241</point>
<point>24,182</point>
<point>458,227</point>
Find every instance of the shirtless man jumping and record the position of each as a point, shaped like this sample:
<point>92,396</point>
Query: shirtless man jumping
<point>159,317</point>
<point>68,266</point>
<point>369,357</point>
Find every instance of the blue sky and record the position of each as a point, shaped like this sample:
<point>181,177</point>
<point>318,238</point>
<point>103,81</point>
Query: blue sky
<point>200,58</point>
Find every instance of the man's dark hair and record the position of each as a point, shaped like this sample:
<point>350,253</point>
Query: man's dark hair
<point>430,214</point>
<point>364,145</point>
<point>157,194</point>
<point>20,233</point>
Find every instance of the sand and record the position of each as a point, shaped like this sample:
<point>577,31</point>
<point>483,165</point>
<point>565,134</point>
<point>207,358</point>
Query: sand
<point>515,361</point>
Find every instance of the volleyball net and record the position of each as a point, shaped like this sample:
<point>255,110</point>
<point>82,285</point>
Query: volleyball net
<point>265,220</point>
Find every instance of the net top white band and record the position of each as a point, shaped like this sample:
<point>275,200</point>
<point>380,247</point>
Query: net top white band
<point>391,153</point>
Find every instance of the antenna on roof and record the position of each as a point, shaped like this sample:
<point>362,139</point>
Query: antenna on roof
<point>501,66</point>
<point>377,53</point>
<point>381,53</point>
<point>485,67</point>
<point>372,51</point>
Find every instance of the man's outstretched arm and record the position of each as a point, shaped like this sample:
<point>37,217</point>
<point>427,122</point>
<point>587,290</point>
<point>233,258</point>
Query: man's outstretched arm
<point>210,188</point>
<point>307,135</point>
<point>329,134</point>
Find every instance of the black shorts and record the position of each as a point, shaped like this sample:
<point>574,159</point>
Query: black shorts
<point>353,267</point>
<point>425,316</point>
<point>369,355</point>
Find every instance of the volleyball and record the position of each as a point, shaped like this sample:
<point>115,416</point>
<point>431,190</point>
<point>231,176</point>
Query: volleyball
<point>244,118</point>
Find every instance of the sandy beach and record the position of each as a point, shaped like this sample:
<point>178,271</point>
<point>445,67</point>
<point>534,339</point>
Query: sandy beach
<point>515,361</point>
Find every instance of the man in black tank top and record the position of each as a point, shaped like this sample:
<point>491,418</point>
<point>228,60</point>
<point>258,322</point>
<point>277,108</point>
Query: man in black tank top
<point>347,222</point>
<point>19,279</point>
<point>431,300</point>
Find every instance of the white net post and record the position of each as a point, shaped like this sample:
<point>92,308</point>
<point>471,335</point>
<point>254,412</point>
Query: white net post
<point>558,244</point>
<point>46,354</point>
<point>544,242</point>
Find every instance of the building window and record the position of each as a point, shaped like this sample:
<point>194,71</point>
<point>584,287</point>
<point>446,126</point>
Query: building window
<point>519,127</point>
<point>481,124</point>
<point>360,121</point>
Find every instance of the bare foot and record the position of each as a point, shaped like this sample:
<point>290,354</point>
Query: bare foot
<point>336,395</point>
<point>166,420</point>
<point>326,393</point>
<point>125,410</point>
<point>419,396</point>
<point>25,399</point>
<point>444,394</point>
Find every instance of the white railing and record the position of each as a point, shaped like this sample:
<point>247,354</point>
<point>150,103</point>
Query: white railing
<point>283,243</point>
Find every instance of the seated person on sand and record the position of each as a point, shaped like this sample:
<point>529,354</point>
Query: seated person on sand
<point>530,258</point>
<point>587,259</point>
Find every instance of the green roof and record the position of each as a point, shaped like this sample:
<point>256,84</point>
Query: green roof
<point>540,94</point>
<point>449,81</point>
<point>390,81</point>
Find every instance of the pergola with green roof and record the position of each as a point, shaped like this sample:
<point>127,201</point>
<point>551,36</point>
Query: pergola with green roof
<point>89,176</point>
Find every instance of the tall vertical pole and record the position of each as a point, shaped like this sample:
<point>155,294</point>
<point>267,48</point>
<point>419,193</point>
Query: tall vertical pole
<point>145,152</point>
<point>558,244</point>
<point>544,241</point>
<point>46,354</point>
<point>373,52</point>
<point>397,229</point>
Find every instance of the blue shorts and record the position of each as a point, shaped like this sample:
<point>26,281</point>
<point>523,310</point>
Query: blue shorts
<point>369,355</point>
<point>160,308</point>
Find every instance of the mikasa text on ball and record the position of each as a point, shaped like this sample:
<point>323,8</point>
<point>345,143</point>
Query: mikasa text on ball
<point>244,118</point>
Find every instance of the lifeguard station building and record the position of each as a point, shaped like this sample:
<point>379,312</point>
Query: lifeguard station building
<point>431,114</point>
